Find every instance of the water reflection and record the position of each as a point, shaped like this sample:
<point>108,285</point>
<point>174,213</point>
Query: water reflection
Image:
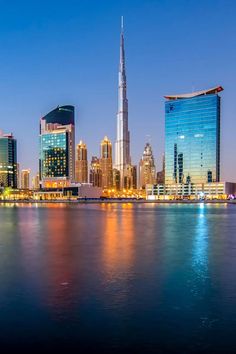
<point>60,262</point>
<point>200,243</point>
<point>118,254</point>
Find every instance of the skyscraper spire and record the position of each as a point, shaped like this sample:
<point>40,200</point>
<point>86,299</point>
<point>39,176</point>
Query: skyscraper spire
<point>122,151</point>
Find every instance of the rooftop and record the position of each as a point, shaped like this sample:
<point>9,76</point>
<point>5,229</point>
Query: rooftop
<point>211,91</point>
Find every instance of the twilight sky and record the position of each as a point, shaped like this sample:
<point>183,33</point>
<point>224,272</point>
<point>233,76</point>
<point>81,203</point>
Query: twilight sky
<point>66,52</point>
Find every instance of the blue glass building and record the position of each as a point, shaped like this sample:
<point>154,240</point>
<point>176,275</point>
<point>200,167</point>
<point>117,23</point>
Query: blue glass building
<point>57,148</point>
<point>192,137</point>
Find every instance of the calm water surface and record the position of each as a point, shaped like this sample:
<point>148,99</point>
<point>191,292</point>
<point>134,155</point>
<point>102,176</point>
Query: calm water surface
<point>118,278</point>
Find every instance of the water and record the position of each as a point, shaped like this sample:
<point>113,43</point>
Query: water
<point>118,278</point>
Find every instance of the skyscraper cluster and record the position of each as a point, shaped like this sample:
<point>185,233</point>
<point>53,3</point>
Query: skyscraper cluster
<point>192,148</point>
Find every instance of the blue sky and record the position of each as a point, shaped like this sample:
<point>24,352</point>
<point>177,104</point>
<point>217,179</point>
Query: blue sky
<point>67,52</point>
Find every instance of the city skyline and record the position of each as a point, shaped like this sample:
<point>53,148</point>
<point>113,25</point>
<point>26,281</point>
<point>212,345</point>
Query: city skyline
<point>152,122</point>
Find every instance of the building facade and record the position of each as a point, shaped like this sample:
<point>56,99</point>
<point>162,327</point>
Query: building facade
<point>106,163</point>
<point>8,161</point>
<point>57,148</point>
<point>147,168</point>
<point>95,173</point>
<point>25,179</point>
<point>116,179</point>
<point>81,163</point>
<point>192,137</point>
<point>35,182</point>
<point>213,190</point>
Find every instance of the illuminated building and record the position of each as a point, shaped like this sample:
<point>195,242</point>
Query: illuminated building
<point>35,182</point>
<point>81,163</point>
<point>213,190</point>
<point>147,168</point>
<point>192,137</point>
<point>106,163</point>
<point>57,148</point>
<point>116,179</point>
<point>130,177</point>
<point>8,161</point>
<point>122,146</point>
<point>95,174</point>
<point>25,179</point>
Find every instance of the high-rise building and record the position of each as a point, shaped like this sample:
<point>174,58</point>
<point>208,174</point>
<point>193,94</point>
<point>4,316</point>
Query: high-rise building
<point>35,182</point>
<point>106,163</point>
<point>95,174</point>
<point>130,177</point>
<point>57,148</point>
<point>25,179</point>
<point>147,168</point>
<point>116,179</point>
<point>161,174</point>
<point>122,146</point>
<point>81,163</point>
<point>192,137</point>
<point>8,161</point>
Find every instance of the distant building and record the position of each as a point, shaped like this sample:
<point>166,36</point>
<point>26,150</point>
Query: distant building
<point>95,174</point>
<point>8,161</point>
<point>35,182</point>
<point>81,163</point>
<point>106,163</point>
<point>161,174</point>
<point>57,148</point>
<point>25,179</point>
<point>192,137</point>
<point>116,179</point>
<point>147,168</point>
<point>130,177</point>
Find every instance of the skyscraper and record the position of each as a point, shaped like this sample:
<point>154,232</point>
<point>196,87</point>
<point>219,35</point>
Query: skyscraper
<point>35,182</point>
<point>95,174</point>
<point>192,137</point>
<point>147,168</point>
<point>106,163</point>
<point>122,146</point>
<point>57,148</point>
<point>8,161</point>
<point>25,179</point>
<point>81,163</point>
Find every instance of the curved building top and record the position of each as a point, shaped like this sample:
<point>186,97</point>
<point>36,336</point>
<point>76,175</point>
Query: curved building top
<point>211,91</point>
<point>63,115</point>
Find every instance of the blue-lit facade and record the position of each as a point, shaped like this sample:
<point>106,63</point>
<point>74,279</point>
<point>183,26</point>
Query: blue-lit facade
<point>54,155</point>
<point>192,138</point>
<point>57,148</point>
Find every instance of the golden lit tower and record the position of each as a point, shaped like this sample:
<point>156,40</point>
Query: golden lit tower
<point>35,182</point>
<point>147,169</point>
<point>106,163</point>
<point>95,174</point>
<point>25,179</point>
<point>81,163</point>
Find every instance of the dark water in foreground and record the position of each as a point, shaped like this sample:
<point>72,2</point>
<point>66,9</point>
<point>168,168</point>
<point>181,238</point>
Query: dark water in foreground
<point>118,278</point>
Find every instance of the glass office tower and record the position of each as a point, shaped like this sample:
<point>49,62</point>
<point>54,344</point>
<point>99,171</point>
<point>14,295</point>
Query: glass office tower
<point>192,137</point>
<point>8,161</point>
<point>57,148</point>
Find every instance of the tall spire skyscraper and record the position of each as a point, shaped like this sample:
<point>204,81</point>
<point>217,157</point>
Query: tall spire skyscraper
<point>122,146</point>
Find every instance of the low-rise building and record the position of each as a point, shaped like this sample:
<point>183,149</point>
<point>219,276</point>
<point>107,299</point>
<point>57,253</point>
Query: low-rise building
<point>214,190</point>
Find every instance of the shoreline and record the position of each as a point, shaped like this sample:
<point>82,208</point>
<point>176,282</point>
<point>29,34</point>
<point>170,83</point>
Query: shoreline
<point>118,201</point>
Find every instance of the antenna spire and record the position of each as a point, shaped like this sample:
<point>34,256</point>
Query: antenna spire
<point>122,23</point>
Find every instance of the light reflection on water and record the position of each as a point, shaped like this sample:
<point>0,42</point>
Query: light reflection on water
<point>119,276</point>
<point>200,251</point>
